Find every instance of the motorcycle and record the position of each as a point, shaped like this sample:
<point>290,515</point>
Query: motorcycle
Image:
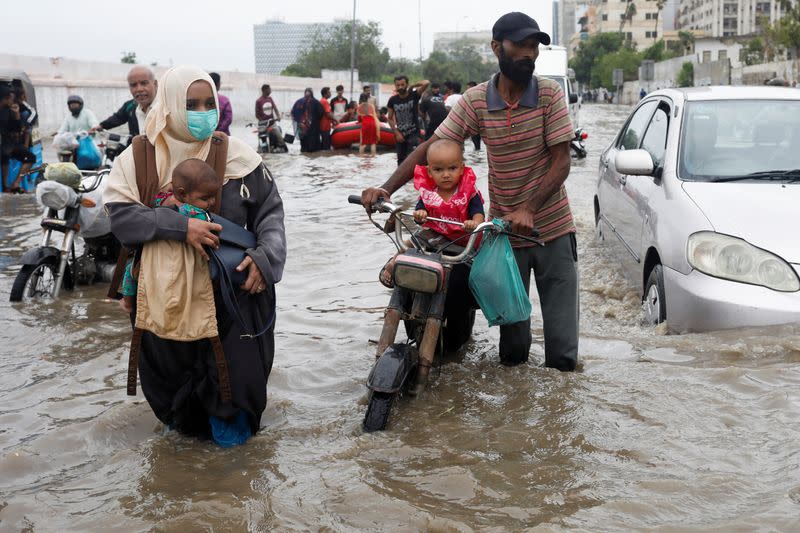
<point>71,211</point>
<point>270,137</point>
<point>420,275</point>
<point>112,144</point>
<point>577,144</point>
<point>66,145</point>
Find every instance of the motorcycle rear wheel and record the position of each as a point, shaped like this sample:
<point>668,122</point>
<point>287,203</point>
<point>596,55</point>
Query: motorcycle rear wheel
<point>377,415</point>
<point>37,281</point>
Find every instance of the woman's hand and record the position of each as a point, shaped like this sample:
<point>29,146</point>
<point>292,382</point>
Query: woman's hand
<point>199,234</point>
<point>254,283</point>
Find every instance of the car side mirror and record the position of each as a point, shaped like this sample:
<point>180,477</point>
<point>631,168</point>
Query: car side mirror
<point>634,162</point>
<point>573,98</point>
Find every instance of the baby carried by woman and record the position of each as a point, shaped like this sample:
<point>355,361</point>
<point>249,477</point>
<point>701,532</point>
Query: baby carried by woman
<point>194,191</point>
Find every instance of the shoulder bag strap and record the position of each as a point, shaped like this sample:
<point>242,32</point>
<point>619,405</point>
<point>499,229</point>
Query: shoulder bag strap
<point>144,161</point>
<point>218,160</point>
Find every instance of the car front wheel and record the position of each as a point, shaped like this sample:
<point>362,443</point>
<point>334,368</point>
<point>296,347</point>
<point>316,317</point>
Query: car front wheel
<point>654,303</point>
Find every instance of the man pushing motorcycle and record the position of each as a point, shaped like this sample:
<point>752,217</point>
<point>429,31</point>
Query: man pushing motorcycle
<point>525,124</point>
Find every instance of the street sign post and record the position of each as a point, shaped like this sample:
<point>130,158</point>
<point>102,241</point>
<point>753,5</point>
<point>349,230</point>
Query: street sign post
<point>618,78</point>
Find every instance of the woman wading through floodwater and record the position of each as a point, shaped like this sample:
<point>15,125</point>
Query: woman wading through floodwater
<point>179,377</point>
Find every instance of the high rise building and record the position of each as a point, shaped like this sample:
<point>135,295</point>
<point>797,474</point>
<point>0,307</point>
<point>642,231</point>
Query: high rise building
<point>556,37</point>
<point>565,26</point>
<point>278,44</point>
<point>727,18</point>
<point>640,22</point>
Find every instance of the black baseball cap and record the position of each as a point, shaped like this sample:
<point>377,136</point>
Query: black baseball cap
<point>516,26</point>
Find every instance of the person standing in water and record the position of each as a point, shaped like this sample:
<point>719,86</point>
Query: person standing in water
<point>524,121</point>
<point>180,379</point>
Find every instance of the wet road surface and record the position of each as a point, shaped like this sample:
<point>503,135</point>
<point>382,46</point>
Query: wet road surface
<point>681,432</point>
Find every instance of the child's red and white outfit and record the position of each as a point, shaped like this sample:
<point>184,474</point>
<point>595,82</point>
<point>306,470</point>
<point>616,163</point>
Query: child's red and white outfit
<point>465,203</point>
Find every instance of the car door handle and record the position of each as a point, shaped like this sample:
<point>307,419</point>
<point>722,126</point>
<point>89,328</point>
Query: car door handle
<point>622,180</point>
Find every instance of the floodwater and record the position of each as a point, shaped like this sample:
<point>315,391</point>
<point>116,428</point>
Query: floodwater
<point>669,432</point>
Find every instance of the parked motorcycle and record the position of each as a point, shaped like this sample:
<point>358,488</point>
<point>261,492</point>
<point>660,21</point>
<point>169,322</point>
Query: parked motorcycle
<point>577,144</point>
<point>112,144</point>
<point>270,137</point>
<point>71,211</point>
<point>420,276</point>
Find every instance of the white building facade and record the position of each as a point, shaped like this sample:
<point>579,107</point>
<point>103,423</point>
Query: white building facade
<point>641,22</point>
<point>727,18</point>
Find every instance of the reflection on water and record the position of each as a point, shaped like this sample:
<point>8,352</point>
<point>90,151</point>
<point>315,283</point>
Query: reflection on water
<point>692,431</point>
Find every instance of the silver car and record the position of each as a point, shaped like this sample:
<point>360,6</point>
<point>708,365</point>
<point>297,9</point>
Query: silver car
<point>700,190</point>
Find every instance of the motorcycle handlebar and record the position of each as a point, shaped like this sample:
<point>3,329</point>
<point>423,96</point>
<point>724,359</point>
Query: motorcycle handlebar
<point>490,226</point>
<point>380,205</point>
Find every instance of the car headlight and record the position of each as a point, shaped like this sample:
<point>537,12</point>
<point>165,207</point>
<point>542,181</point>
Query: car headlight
<point>726,257</point>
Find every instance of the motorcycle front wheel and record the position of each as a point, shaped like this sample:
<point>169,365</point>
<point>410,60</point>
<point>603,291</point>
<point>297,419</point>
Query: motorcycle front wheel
<point>378,409</point>
<point>36,281</point>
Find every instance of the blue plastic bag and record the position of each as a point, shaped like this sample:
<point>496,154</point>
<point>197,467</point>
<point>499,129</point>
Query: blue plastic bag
<point>87,155</point>
<point>496,283</point>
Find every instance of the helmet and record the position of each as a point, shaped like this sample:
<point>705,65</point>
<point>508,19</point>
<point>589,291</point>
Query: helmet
<point>74,98</point>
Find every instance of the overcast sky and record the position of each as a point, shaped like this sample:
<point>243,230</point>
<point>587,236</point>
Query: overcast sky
<point>219,34</point>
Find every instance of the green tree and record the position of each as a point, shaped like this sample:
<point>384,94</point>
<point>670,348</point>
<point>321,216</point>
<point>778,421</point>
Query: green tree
<point>462,62</point>
<point>658,51</point>
<point>786,31</point>
<point>401,65</point>
<point>659,8</point>
<point>627,59</point>
<point>439,67</point>
<point>128,57</point>
<point>686,75</point>
<point>753,53</point>
<point>684,45</point>
<point>332,51</point>
<point>469,63</point>
<point>590,51</point>
<point>627,17</point>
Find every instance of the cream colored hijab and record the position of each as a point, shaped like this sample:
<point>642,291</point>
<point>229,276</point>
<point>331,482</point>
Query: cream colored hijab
<point>168,130</point>
<point>175,298</point>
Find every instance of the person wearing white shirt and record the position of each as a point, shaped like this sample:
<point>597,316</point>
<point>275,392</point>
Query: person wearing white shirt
<point>79,119</point>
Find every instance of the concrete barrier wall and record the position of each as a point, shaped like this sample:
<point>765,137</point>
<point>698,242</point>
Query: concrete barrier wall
<point>104,88</point>
<point>758,74</point>
<point>712,73</point>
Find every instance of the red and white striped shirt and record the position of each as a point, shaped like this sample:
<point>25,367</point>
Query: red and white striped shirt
<point>517,139</point>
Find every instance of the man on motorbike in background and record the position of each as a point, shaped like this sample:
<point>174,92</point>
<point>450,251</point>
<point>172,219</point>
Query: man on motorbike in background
<point>79,119</point>
<point>265,105</point>
<point>142,84</point>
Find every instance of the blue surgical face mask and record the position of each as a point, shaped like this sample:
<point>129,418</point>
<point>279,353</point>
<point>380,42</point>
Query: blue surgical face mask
<point>202,123</point>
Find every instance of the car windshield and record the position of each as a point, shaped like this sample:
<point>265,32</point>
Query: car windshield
<point>730,139</point>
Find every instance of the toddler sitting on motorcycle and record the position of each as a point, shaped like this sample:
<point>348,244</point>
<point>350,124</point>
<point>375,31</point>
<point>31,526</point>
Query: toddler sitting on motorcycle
<point>194,192</point>
<point>447,190</point>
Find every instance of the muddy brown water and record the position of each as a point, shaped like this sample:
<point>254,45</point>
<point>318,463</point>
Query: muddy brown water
<point>669,432</point>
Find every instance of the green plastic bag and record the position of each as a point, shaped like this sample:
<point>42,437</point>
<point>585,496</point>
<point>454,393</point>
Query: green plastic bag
<point>496,284</point>
<point>64,173</point>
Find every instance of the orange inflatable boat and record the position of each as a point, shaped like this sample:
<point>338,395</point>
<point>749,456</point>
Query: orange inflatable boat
<point>348,133</point>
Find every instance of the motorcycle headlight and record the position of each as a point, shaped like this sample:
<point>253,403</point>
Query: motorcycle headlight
<point>726,257</point>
